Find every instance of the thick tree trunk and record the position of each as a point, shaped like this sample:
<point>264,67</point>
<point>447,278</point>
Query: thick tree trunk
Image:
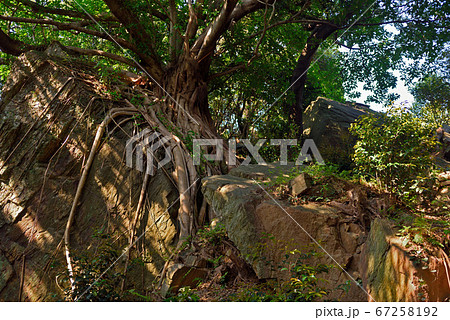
<point>184,109</point>
<point>318,35</point>
<point>187,106</point>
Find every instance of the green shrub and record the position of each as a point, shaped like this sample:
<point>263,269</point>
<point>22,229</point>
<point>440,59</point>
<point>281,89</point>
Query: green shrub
<point>304,284</point>
<point>95,278</point>
<point>395,149</point>
<point>185,294</point>
<point>213,235</point>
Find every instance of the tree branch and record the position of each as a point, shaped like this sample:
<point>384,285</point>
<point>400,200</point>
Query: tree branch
<point>244,8</point>
<point>390,22</point>
<point>266,22</point>
<point>175,40</point>
<point>288,21</point>
<point>93,52</point>
<point>35,7</point>
<point>255,51</point>
<point>216,29</point>
<point>192,26</point>
<point>139,35</point>
<point>247,7</point>
<point>345,46</point>
<point>158,14</point>
<point>13,47</point>
<point>228,71</point>
<point>72,26</point>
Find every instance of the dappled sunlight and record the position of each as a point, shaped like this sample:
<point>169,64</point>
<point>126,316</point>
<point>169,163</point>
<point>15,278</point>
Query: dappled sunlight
<point>85,85</point>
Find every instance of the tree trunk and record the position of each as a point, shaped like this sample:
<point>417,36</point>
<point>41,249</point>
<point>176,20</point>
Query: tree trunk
<point>185,114</point>
<point>187,106</point>
<point>318,35</point>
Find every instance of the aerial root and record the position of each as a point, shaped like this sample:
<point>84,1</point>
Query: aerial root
<point>100,131</point>
<point>185,176</point>
<point>133,227</point>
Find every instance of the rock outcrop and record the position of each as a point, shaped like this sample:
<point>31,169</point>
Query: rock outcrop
<point>392,273</point>
<point>262,229</point>
<point>327,123</point>
<point>49,113</point>
<point>443,136</point>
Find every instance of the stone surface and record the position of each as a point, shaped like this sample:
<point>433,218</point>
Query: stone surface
<point>390,273</point>
<point>264,172</point>
<point>49,113</point>
<point>180,275</point>
<point>300,184</point>
<point>443,136</point>
<point>327,123</point>
<point>263,229</point>
<point>260,227</point>
<point>6,271</point>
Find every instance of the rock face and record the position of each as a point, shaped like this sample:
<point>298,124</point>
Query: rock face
<point>263,227</point>
<point>5,271</point>
<point>300,184</point>
<point>258,224</point>
<point>390,273</point>
<point>327,123</point>
<point>49,113</point>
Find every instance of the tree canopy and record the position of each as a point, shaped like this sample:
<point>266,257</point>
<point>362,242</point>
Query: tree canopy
<point>245,68</point>
<point>242,39</point>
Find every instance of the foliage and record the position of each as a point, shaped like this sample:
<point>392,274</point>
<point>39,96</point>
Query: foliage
<point>395,149</point>
<point>185,294</point>
<point>252,56</point>
<point>425,234</point>
<point>4,69</point>
<point>327,182</point>
<point>317,171</point>
<point>95,280</point>
<point>243,104</point>
<point>404,45</point>
<point>432,96</point>
<point>304,282</point>
<point>212,235</point>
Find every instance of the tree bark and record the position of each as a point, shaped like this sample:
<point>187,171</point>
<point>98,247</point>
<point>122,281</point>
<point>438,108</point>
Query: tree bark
<point>318,35</point>
<point>187,106</point>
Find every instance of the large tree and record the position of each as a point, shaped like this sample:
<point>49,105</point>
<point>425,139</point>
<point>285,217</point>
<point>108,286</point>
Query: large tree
<point>177,44</point>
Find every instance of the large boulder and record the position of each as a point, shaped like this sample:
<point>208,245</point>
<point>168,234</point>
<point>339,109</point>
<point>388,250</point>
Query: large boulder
<point>392,273</point>
<point>443,136</point>
<point>49,113</point>
<point>263,229</point>
<point>327,122</point>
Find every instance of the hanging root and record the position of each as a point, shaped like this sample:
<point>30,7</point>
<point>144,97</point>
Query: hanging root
<point>133,228</point>
<point>185,176</point>
<point>100,131</point>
